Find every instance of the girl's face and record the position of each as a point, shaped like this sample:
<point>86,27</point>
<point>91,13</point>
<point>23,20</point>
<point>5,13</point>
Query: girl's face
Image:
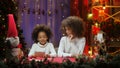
<point>69,31</point>
<point>42,38</point>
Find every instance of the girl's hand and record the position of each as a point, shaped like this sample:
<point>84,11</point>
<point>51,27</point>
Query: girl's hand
<point>46,55</point>
<point>39,54</point>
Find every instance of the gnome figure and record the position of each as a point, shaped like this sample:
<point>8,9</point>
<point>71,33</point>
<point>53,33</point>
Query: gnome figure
<point>12,35</point>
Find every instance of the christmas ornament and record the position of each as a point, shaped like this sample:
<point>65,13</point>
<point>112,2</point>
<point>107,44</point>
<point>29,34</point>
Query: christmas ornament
<point>43,12</point>
<point>49,12</point>
<point>12,34</point>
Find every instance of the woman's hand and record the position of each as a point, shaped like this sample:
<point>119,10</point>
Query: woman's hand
<point>70,37</point>
<point>75,55</point>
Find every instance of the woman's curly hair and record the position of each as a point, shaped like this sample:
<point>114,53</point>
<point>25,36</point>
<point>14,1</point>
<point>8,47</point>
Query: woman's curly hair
<point>41,28</point>
<point>76,24</point>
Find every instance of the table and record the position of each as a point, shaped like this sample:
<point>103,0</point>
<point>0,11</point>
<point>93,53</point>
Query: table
<point>54,59</point>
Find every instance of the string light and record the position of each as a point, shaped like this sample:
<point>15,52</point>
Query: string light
<point>104,7</point>
<point>16,7</point>
<point>96,0</point>
<point>49,12</point>
<point>101,12</point>
<point>97,24</point>
<point>3,19</point>
<point>38,17</point>
<point>25,3</point>
<point>90,52</point>
<point>90,15</point>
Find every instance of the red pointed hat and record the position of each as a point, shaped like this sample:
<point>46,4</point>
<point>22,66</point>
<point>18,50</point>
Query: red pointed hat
<point>12,31</point>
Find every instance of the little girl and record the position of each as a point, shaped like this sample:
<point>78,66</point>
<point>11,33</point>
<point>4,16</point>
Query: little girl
<point>41,47</point>
<point>73,43</point>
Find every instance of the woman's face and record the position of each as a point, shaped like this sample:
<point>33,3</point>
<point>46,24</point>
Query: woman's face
<point>69,31</point>
<point>42,38</point>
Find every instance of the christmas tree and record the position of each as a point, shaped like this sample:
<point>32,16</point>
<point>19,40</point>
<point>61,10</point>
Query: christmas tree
<point>8,7</point>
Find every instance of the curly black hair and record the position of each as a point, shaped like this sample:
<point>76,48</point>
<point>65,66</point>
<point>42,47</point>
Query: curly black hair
<point>41,28</point>
<point>76,24</point>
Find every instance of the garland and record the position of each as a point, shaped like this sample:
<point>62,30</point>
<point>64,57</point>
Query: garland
<point>107,61</point>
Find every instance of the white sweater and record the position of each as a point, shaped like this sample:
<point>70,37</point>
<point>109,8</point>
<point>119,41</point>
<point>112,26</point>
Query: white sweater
<point>47,48</point>
<point>69,47</point>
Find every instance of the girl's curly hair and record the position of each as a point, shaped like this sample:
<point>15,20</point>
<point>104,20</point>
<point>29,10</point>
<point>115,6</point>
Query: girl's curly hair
<point>76,24</point>
<point>41,28</point>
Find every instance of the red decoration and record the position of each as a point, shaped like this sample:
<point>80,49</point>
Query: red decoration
<point>85,52</point>
<point>74,8</point>
<point>19,46</point>
<point>101,12</point>
<point>12,30</point>
<point>95,30</point>
<point>86,3</point>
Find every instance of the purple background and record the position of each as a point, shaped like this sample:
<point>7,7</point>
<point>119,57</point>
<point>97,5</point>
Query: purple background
<point>49,12</point>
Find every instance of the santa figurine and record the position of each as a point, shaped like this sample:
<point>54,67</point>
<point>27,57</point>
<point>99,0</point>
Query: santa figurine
<point>12,36</point>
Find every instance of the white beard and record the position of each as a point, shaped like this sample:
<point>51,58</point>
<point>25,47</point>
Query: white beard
<point>15,51</point>
<point>14,41</point>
